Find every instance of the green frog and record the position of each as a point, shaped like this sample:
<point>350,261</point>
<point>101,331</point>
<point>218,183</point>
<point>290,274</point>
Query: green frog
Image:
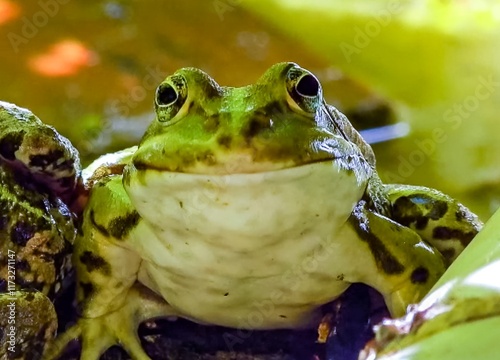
<point>249,208</point>
<point>38,169</point>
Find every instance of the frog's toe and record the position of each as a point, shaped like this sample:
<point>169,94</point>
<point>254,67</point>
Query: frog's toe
<point>57,346</point>
<point>134,348</point>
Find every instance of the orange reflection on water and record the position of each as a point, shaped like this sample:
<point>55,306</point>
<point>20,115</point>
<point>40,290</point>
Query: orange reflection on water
<point>64,58</point>
<point>8,11</point>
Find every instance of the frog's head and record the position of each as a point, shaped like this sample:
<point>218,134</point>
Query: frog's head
<point>279,122</point>
<point>277,131</point>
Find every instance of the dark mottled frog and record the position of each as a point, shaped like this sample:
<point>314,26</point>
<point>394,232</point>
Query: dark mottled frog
<point>38,168</point>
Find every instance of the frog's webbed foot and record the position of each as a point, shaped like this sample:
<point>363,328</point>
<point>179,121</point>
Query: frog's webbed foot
<point>437,218</point>
<point>98,334</point>
<point>117,327</point>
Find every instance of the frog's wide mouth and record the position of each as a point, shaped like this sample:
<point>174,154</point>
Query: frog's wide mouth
<point>240,165</point>
<point>352,165</point>
<point>233,164</point>
<point>205,160</point>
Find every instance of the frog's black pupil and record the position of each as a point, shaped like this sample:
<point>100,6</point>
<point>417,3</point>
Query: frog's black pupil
<point>166,95</point>
<point>307,86</point>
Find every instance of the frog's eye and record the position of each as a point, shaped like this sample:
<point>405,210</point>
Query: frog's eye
<point>170,98</point>
<point>307,85</point>
<point>165,95</point>
<point>304,90</point>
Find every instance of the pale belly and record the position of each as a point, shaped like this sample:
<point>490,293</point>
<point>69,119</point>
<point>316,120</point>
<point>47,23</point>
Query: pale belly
<point>255,251</point>
<point>253,291</point>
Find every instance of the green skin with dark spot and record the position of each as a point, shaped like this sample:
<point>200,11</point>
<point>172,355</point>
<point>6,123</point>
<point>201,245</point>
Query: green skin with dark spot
<point>219,143</point>
<point>37,153</point>
<point>38,168</point>
<point>94,262</point>
<point>38,232</point>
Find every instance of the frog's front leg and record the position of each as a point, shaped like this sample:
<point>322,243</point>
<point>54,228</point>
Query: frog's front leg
<point>437,218</point>
<point>395,260</point>
<point>111,301</point>
<point>116,327</point>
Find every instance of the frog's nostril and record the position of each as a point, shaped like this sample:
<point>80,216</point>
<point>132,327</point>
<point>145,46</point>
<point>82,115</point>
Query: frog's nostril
<point>307,86</point>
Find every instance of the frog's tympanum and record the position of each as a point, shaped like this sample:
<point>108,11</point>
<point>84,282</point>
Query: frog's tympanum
<point>38,169</point>
<point>249,208</point>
